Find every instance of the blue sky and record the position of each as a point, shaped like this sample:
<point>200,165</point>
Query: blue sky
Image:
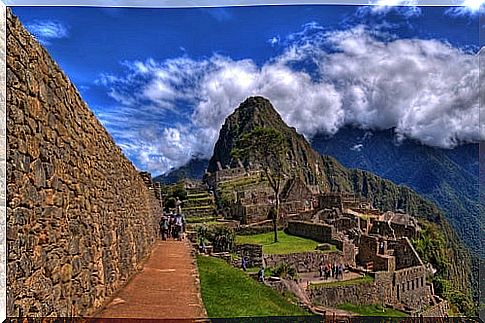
<point>163,80</point>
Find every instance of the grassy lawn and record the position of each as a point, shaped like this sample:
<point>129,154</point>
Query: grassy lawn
<point>286,243</point>
<point>371,310</point>
<point>229,292</point>
<point>355,281</point>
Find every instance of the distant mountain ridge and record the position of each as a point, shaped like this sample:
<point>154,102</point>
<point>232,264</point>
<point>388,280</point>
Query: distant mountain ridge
<point>194,169</point>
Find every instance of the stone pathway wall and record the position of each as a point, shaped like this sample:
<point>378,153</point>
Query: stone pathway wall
<point>80,219</point>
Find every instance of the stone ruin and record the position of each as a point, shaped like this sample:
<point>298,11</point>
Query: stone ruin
<point>252,202</point>
<point>376,243</point>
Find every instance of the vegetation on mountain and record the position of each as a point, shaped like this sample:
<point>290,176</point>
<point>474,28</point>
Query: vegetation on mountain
<point>193,169</point>
<point>268,147</point>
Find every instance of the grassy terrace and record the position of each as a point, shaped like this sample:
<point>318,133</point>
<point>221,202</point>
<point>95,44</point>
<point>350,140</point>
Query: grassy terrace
<point>197,195</point>
<point>198,207</point>
<point>229,292</point>
<point>371,310</point>
<point>360,280</point>
<point>286,243</point>
<point>202,219</point>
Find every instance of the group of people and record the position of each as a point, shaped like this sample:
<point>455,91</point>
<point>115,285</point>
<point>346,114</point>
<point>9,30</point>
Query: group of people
<point>172,226</point>
<point>335,271</point>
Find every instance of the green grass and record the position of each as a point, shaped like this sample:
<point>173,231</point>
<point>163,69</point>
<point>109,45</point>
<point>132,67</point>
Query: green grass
<point>286,243</point>
<point>197,195</point>
<point>203,198</point>
<point>201,219</point>
<point>361,280</point>
<point>229,292</point>
<point>371,310</point>
<point>197,207</point>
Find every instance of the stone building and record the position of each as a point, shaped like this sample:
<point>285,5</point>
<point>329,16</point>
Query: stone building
<point>378,243</point>
<point>395,224</point>
<point>252,204</point>
<point>342,201</point>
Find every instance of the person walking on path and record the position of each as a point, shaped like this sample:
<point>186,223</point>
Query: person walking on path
<point>170,227</point>
<point>164,227</point>
<point>178,226</point>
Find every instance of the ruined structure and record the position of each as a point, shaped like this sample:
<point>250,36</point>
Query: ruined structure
<point>374,242</point>
<point>80,218</point>
<point>248,196</point>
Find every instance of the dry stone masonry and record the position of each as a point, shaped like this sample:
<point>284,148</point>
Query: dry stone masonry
<point>80,217</point>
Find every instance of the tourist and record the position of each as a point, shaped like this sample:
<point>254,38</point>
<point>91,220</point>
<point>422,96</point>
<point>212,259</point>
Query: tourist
<point>163,227</point>
<point>202,248</point>
<point>178,206</point>
<point>244,263</point>
<point>340,271</point>
<point>261,274</point>
<point>178,224</point>
<point>321,270</point>
<point>170,227</point>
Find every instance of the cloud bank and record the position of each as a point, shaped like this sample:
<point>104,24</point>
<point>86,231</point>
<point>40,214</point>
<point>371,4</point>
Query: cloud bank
<point>426,89</point>
<point>47,30</point>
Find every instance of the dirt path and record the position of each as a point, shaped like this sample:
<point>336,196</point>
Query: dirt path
<point>166,288</point>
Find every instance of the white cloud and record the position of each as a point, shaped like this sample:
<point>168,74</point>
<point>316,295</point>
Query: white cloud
<point>407,8</point>
<point>47,30</point>
<point>274,41</point>
<point>467,8</point>
<point>427,89</point>
<point>357,147</point>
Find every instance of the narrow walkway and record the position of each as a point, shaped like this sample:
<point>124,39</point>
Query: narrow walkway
<point>166,288</point>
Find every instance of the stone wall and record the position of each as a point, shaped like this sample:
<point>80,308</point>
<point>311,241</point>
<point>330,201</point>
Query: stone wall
<point>386,289</point>
<point>405,254</point>
<point>254,213</point>
<point>306,261</point>
<point>314,231</point>
<point>396,230</point>
<point>438,310</point>
<point>359,294</point>
<point>370,251</point>
<point>253,252</point>
<point>80,218</point>
<point>411,288</point>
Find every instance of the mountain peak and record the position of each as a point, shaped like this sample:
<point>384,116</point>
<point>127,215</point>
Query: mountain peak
<point>256,112</point>
<point>256,103</point>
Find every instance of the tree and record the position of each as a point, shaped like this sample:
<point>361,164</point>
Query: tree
<point>268,147</point>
